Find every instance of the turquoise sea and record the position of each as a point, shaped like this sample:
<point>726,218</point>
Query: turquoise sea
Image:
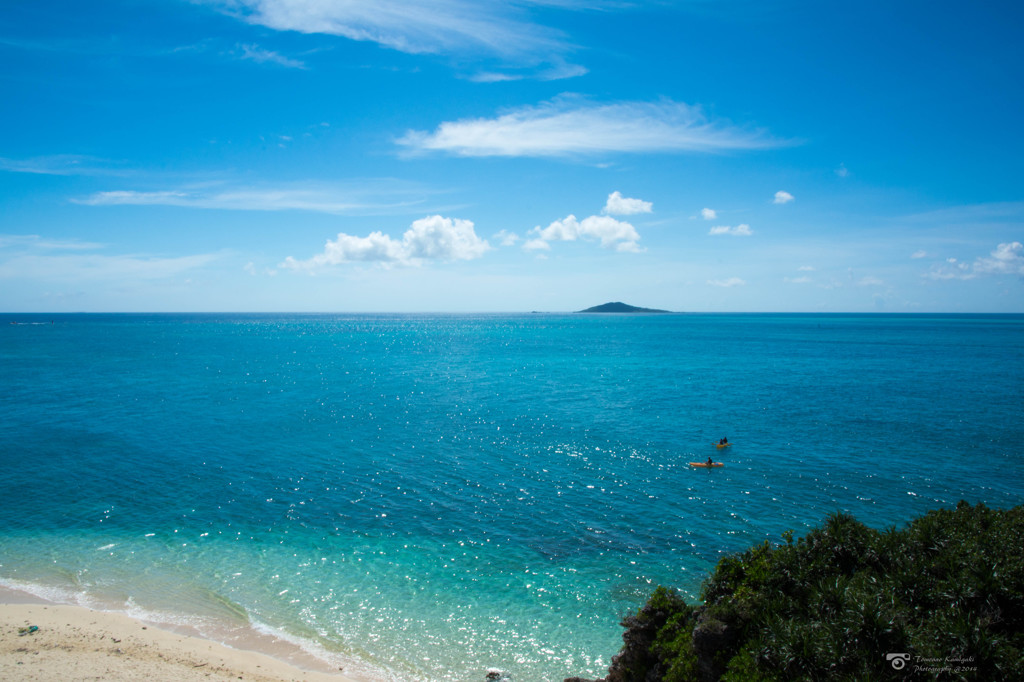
<point>424,497</point>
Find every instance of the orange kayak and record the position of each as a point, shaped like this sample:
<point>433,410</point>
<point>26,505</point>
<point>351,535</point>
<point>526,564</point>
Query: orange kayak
<point>722,445</point>
<point>706,465</point>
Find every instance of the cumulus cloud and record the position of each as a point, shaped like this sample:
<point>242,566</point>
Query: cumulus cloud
<point>610,232</point>
<point>620,205</point>
<point>569,126</point>
<point>951,270</point>
<point>506,238</point>
<point>433,238</point>
<point>708,214</point>
<point>741,230</point>
<point>1007,259</point>
<point>783,197</point>
<point>727,283</point>
<point>537,244</point>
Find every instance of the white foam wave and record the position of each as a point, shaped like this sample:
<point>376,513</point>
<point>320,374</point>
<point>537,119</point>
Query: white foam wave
<point>317,651</point>
<point>48,593</point>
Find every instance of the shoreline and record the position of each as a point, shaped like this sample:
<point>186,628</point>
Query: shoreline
<point>79,643</point>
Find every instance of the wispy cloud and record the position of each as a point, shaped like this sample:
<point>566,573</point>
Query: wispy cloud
<point>434,238</point>
<point>73,268</point>
<point>367,198</point>
<point>741,230</point>
<point>620,205</point>
<point>727,283</point>
<point>260,56</point>
<point>571,125</point>
<point>62,164</point>
<point>559,71</point>
<point>36,242</point>
<point>951,269</point>
<point>970,215</point>
<point>499,28</point>
<point>32,257</point>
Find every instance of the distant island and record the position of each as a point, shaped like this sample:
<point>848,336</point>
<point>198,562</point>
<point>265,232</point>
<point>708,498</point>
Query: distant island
<point>617,307</point>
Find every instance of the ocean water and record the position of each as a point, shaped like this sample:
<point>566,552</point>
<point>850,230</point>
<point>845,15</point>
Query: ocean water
<point>424,497</point>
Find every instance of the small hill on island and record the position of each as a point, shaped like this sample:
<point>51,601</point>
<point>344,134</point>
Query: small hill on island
<point>617,307</point>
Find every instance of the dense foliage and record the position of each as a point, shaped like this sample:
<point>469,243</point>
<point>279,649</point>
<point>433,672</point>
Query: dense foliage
<point>947,591</point>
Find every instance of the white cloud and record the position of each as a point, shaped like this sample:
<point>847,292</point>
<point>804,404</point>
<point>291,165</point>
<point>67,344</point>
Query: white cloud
<point>78,267</point>
<point>610,232</point>
<point>806,268</point>
<point>537,244</point>
<point>260,56</point>
<point>573,126</point>
<point>741,230</point>
<point>413,26</point>
<point>783,197</point>
<point>620,205</point>
<point>921,253</point>
<point>1007,259</point>
<point>506,238</point>
<point>953,270</point>
<point>727,283</point>
<point>796,280</point>
<point>559,71</point>
<point>35,242</point>
<point>373,196</point>
<point>494,77</point>
<point>62,164</point>
<point>708,214</point>
<point>870,282</point>
<point>433,238</point>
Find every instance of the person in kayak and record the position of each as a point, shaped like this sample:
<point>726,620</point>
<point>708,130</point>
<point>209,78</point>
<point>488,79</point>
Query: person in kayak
<point>709,462</point>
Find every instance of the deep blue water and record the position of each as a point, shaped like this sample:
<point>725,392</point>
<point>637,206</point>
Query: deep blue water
<point>434,495</point>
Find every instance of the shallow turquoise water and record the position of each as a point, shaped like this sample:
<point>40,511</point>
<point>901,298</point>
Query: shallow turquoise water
<point>436,495</point>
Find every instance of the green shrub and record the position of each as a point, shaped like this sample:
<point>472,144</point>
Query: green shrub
<point>948,590</point>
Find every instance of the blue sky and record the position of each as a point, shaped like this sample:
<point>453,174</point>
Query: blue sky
<point>455,155</point>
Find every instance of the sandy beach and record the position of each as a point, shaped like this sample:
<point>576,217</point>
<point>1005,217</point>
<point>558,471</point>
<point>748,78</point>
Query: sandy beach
<point>49,642</point>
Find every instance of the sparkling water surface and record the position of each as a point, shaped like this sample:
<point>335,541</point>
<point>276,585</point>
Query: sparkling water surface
<point>434,495</point>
